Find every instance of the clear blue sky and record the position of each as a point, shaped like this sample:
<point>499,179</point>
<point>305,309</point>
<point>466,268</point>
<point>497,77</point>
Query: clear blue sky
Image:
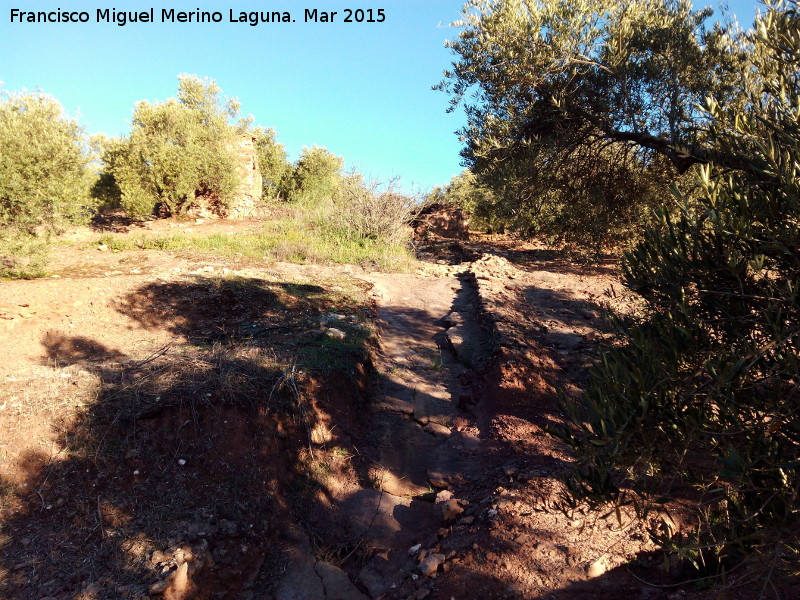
<point>363,90</point>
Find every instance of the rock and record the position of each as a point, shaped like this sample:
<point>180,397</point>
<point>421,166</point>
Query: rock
<point>466,521</point>
<point>443,496</point>
<point>431,564</point>
<point>183,554</point>
<point>437,429</point>
<point>336,583</point>
<point>336,334</point>
<point>92,589</point>
<point>451,509</point>
<point>522,539</point>
<point>453,319</point>
<point>414,549</point>
<point>596,569</point>
<point>176,586</point>
<point>373,581</point>
<point>102,248</point>
<point>422,592</point>
<point>461,343</point>
<point>301,581</point>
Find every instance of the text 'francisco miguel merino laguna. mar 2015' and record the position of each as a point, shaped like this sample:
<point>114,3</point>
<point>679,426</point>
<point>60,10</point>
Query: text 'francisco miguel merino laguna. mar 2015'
<point>171,15</point>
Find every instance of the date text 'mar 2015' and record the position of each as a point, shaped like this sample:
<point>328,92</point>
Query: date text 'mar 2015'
<point>359,15</point>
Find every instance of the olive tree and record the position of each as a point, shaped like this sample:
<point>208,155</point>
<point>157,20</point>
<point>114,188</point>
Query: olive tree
<point>43,164</point>
<point>275,167</point>
<point>564,98</point>
<point>177,150</point>
<point>702,391</point>
<point>315,177</point>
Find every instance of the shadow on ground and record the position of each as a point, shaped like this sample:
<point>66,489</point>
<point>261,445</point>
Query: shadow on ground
<point>192,450</point>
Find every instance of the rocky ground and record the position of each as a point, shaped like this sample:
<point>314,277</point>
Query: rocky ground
<point>178,427</point>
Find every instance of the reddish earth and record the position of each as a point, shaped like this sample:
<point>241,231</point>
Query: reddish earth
<point>217,429</point>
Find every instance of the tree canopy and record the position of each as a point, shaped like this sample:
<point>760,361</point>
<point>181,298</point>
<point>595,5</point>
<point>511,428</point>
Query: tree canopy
<point>565,98</point>
<point>702,388</point>
<point>43,163</point>
<point>275,168</point>
<point>589,70</point>
<point>316,175</point>
<point>177,150</point>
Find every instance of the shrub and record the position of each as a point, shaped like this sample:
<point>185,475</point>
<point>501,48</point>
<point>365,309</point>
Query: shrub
<point>703,391</point>
<point>272,161</point>
<point>369,211</point>
<point>22,255</point>
<point>43,158</point>
<point>315,176</point>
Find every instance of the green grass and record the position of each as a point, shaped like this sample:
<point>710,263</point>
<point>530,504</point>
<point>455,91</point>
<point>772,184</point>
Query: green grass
<point>290,240</point>
<point>22,256</point>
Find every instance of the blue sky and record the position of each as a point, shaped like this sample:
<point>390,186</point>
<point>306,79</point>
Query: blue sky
<point>363,90</point>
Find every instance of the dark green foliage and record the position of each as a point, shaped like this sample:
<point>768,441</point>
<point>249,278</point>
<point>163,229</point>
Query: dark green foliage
<point>579,112</point>
<point>44,179</point>
<point>177,150</point>
<point>275,168</point>
<point>479,202</point>
<point>703,392</point>
<point>315,177</point>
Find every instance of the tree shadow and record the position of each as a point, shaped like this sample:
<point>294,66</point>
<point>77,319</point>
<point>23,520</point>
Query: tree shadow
<point>213,309</point>
<point>188,451</point>
<point>114,221</point>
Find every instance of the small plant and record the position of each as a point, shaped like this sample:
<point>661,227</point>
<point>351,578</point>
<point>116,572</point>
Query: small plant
<point>371,212</point>
<point>23,256</point>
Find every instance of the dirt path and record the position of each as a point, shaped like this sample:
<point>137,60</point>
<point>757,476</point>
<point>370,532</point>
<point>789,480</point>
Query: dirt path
<point>441,486</point>
<point>457,481</point>
<point>417,442</point>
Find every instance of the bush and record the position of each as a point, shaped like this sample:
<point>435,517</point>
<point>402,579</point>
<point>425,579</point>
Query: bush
<point>272,161</point>
<point>372,212</point>
<point>22,255</point>
<point>703,392</point>
<point>44,181</point>
<point>315,176</point>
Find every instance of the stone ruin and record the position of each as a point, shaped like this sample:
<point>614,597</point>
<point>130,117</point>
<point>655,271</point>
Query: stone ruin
<point>441,221</point>
<point>247,196</point>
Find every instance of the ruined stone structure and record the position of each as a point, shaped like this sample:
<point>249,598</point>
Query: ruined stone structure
<point>249,192</point>
<point>438,221</point>
<point>247,196</point>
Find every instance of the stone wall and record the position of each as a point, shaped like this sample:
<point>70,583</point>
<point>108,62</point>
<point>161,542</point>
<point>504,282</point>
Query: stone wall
<point>247,196</point>
<point>249,192</point>
<point>439,221</point>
